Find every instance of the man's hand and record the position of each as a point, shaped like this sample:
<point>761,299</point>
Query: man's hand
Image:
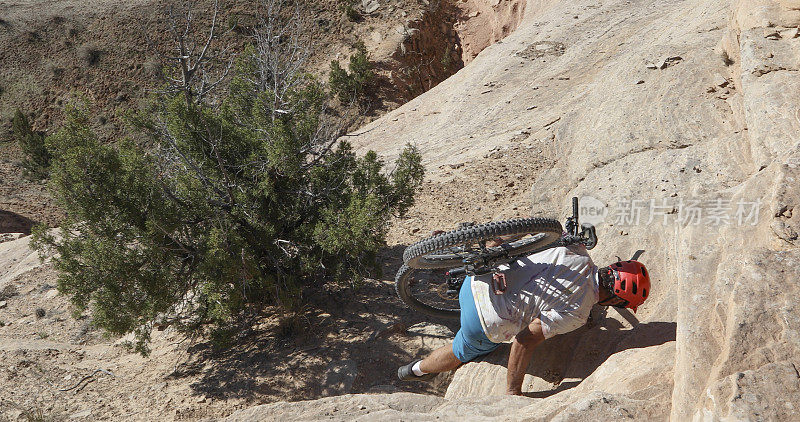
<point>520,356</point>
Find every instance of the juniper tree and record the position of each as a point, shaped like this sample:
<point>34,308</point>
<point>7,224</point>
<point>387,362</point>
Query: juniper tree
<point>352,85</point>
<point>218,211</point>
<point>35,156</point>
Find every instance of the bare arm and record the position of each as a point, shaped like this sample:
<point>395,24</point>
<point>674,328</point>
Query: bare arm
<point>520,356</point>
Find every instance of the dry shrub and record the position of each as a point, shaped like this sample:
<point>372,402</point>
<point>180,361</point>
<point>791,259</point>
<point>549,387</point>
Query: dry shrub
<point>726,58</point>
<point>152,68</point>
<point>8,291</point>
<point>54,70</point>
<point>90,54</point>
<point>73,29</point>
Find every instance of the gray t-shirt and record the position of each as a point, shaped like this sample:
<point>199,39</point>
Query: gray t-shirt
<point>557,285</point>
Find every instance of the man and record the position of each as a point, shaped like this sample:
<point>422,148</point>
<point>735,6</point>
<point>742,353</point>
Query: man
<point>546,294</point>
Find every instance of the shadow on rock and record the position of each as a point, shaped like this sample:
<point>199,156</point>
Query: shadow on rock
<point>11,222</point>
<point>579,353</point>
<point>576,355</point>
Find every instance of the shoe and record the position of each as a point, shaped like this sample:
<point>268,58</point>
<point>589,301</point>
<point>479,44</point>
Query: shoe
<point>406,374</point>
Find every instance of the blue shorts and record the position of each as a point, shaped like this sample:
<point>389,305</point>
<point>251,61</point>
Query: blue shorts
<point>470,341</point>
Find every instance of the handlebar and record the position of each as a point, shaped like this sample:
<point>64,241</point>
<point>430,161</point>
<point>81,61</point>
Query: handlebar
<point>575,210</point>
<point>576,232</point>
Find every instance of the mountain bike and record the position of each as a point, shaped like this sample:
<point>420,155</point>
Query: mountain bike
<point>434,268</point>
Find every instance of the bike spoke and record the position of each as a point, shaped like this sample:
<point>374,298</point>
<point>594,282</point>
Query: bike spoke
<point>430,288</point>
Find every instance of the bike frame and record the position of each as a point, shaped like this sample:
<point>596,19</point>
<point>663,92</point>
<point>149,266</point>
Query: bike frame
<point>486,261</point>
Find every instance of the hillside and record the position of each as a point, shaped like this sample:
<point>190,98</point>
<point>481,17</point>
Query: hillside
<point>681,120</point>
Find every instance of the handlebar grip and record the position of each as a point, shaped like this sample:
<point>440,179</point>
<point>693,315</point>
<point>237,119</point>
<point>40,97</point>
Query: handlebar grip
<point>575,208</point>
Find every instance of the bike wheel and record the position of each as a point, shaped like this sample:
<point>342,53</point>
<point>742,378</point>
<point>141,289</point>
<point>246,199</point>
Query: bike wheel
<point>449,249</point>
<point>425,291</point>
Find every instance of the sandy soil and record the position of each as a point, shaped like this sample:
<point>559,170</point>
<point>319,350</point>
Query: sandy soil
<point>45,350</point>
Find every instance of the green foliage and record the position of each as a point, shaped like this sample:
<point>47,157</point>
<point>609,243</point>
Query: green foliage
<point>224,211</point>
<point>351,13</point>
<point>339,81</point>
<point>446,59</point>
<point>35,156</point>
<point>350,10</point>
<point>354,84</point>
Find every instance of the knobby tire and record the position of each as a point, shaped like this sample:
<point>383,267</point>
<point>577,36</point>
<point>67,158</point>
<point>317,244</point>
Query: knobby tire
<point>436,251</point>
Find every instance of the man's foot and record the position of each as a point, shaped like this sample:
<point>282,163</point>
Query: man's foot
<point>406,374</point>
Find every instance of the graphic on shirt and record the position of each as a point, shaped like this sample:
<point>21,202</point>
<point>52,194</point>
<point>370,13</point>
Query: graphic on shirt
<point>557,285</point>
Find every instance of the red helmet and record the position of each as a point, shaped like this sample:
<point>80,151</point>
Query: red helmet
<point>629,281</point>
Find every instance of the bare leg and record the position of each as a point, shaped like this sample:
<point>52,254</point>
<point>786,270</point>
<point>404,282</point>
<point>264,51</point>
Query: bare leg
<point>440,360</point>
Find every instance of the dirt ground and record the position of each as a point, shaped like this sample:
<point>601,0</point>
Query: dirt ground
<point>110,53</point>
<point>45,350</point>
